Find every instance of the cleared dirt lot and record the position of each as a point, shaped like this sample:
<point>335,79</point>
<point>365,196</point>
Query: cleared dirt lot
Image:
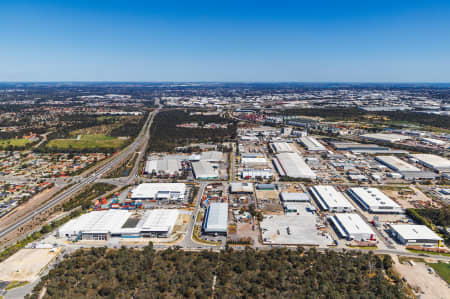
<point>244,230</point>
<point>408,197</point>
<point>432,286</point>
<point>269,201</point>
<point>26,264</point>
<point>181,223</point>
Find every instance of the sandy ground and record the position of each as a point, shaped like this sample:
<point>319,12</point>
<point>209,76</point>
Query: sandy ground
<point>432,285</point>
<point>407,200</point>
<point>181,223</point>
<point>244,229</point>
<point>269,201</point>
<point>269,194</point>
<point>26,264</point>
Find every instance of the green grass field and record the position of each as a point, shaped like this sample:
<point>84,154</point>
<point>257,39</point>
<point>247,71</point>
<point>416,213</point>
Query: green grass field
<point>16,284</point>
<point>443,269</point>
<point>87,141</point>
<point>4,143</point>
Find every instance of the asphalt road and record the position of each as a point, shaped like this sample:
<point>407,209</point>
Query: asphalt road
<point>94,175</point>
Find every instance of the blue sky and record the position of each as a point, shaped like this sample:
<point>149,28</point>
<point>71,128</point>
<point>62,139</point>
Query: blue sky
<point>305,41</point>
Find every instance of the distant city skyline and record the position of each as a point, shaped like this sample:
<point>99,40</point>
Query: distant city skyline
<point>233,41</point>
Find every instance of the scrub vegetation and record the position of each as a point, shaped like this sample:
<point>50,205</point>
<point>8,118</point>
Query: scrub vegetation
<point>85,197</point>
<point>390,118</point>
<point>172,273</point>
<point>166,136</point>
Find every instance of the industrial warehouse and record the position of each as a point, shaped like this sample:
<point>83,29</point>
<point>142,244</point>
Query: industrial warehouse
<point>216,219</point>
<point>282,147</point>
<point>434,162</point>
<point>359,148</point>
<point>392,138</point>
<point>294,197</point>
<point>164,167</point>
<point>352,227</point>
<point>159,191</point>
<point>102,225</point>
<point>407,170</point>
<point>312,144</point>
<point>329,199</point>
<point>411,234</point>
<point>292,165</point>
<point>396,164</point>
<point>241,188</point>
<point>374,201</point>
<point>250,162</point>
<point>203,170</point>
<point>211,156</point>
<point>248,173</point>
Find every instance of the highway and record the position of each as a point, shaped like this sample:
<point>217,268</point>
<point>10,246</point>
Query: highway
<point>96,173</point>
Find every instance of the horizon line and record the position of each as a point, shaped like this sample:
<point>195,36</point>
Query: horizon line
<point>248,82</point>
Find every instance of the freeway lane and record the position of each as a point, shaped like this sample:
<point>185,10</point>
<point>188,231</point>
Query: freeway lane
<point>112,162</point>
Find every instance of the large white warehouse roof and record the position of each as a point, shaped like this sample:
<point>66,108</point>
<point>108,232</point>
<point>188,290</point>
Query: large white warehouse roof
<point>312,144</point>
<point>416,233</point>
<point>251,161</point>
<point>166,166</point>
<point>204,170</point>
<point>374,200</point>
<point>292,165</point>
<point>253,173</point>
<point>110,221</point>
<point>433,161</point>
<point>282,147</point>
<point>175,191</point>
<point>241,187</point>
<point>386,137</point>
<point>211,156</point>
<point>294,197</point>
<point>330,199</point>
<point>352,226</point>
<point>216,218</point>
<point>396,164</point>
<point>160,220</point>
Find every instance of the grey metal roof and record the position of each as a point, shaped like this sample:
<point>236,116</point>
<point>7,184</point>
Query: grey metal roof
<point>216,218</point>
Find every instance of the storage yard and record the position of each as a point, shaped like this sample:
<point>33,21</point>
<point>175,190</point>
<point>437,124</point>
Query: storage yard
<point>294,230</point>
